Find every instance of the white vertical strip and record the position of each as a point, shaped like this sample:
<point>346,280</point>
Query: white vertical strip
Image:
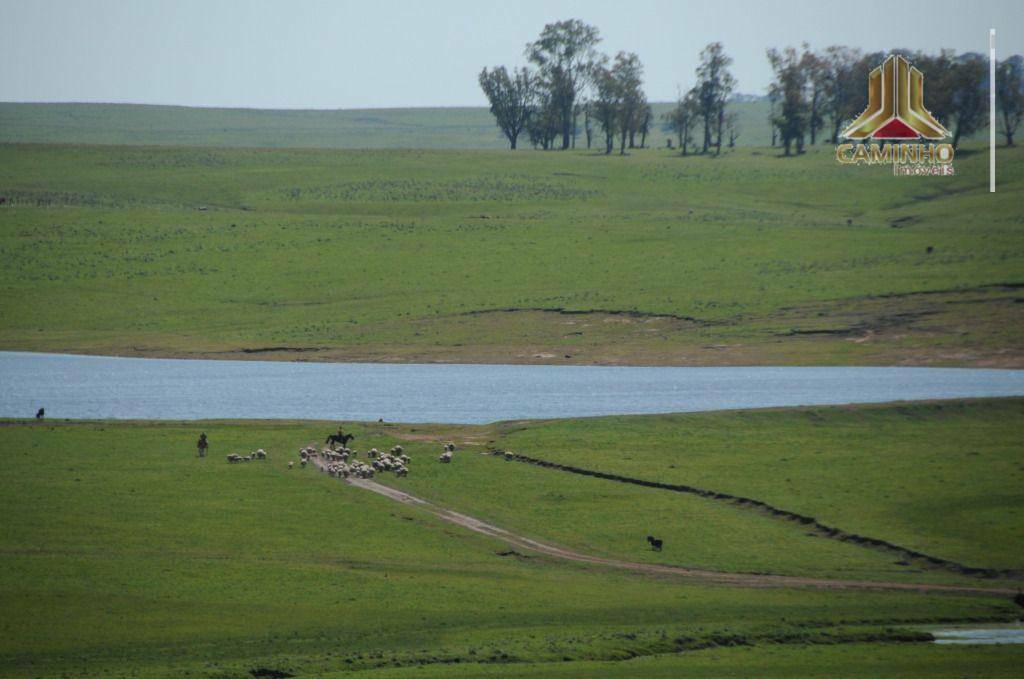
<point>992,110</point>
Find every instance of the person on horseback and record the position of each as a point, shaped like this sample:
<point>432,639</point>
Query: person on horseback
<point>341,438</point>
<point>202,444</point>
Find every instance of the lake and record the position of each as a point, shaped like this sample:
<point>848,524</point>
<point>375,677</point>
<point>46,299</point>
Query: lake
<point>102,387</point>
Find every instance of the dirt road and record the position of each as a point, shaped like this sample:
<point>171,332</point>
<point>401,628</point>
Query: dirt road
<point>738,579</point>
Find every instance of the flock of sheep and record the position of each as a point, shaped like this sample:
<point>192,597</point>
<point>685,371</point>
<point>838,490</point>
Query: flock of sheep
<point>342,463</point>
<point>255,455</point>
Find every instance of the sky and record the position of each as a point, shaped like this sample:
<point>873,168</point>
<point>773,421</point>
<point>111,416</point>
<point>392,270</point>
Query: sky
<point>400,53</point>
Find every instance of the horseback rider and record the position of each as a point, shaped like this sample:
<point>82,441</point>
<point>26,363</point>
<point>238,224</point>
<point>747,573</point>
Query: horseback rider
<point>202,444</point>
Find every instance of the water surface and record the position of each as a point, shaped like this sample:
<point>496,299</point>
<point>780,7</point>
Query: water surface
<point>983,636</point>
<point>171,389</point>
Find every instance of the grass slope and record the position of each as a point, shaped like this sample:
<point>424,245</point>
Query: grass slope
<point>124,554</point>
<point>483,256</point>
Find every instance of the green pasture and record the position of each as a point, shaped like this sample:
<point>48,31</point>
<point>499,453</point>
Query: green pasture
<point>123,553</point>
<point>945,478</point>
<point>424,128</point>
<point>395,128</point>
<point>485,256</point>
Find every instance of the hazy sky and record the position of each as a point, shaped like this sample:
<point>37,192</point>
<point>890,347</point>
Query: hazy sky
<point>386,53</point>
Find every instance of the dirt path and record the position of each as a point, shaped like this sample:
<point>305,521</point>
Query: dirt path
<point>808,523</point>
<point>739,579</point>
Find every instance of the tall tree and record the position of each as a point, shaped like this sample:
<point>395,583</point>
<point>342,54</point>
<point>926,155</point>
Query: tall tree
<point>773,105</point>
<point>939,87</point>
<point>644,126</point>
<point>1010,95</point>
<point>842,82</point>
<point>565,55</point>
<point>970,95</point>
<point>588,122</point>
<point>790,86</point>
<point>607,99</point>
<point>816,74</point>
<point>544,123</point>
<point>714,85</point>
<point>628,73</point>
<point>511,98</point>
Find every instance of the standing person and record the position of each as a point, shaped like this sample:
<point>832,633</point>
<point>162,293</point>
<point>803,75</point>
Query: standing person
<point>202,445</point>
<point>40,413</point>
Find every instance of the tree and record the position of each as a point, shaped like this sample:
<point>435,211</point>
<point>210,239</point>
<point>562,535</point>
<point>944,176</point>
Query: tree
<point>628,72</point>
<point>566,57</point>
<point>644,127</point>
<point>544,123</point>
<point>938,82</point>
<point>577,109</point>
<point>1010,95</point>
<point>773,105</point>
<point>790,87</point>
<point>815,73</point>
<point>588,121</point>
<point>969,78</point>
<point>732,126</point>
<point>511,98</point>
<point>714,85</point>
<point>682,120</point>
<point>606,105</point>
<point>842,84</point>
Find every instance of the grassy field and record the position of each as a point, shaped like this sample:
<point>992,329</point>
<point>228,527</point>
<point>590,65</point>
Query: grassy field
<point>481,256</point>
<point>423,128</point>
<point>124,554</point>
<point>940,478</point>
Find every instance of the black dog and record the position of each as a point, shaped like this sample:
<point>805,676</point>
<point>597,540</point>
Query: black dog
<point>655,543</point>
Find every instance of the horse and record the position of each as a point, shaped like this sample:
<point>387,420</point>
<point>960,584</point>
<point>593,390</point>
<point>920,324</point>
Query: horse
<point>342,439</point>
<point>655,543</point>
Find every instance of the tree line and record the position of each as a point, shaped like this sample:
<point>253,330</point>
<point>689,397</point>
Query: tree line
<point>813,94</point>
